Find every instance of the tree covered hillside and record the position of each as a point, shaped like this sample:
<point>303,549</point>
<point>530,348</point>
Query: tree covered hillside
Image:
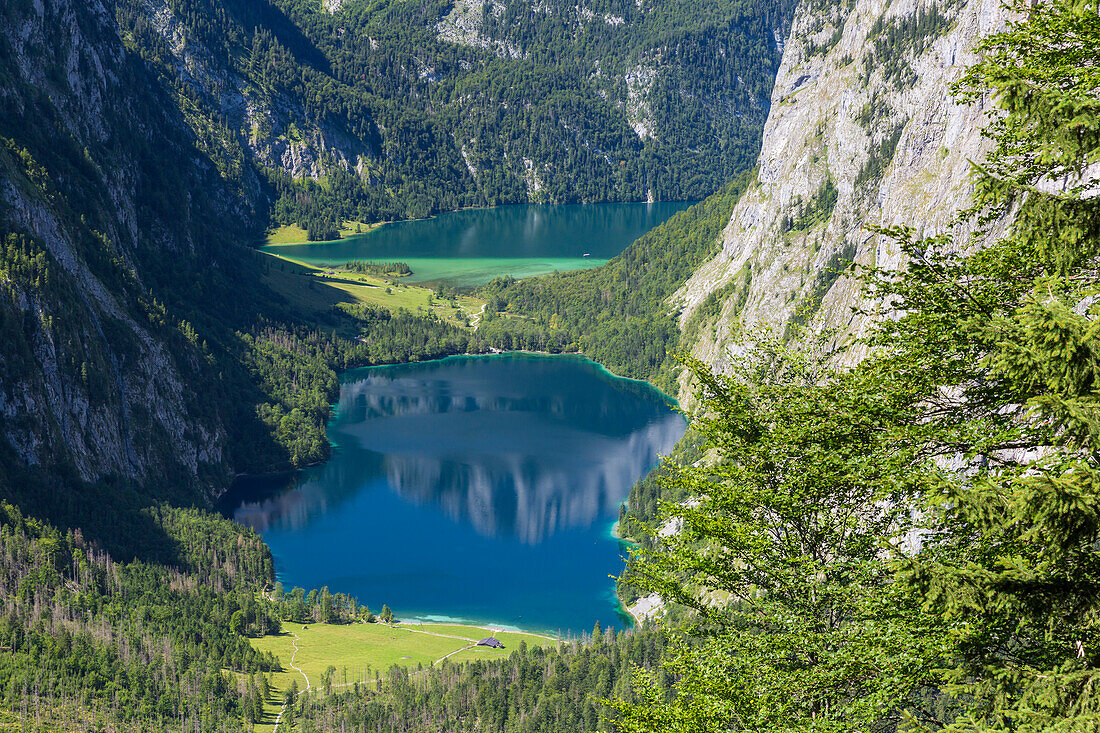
<point>100,640</point>
<point>379,111</point>
<point>618,314</point>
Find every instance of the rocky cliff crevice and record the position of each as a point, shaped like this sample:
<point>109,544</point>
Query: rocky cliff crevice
<point>863,131</point>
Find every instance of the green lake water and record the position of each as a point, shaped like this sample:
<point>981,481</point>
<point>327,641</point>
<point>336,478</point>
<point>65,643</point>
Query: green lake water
<point>472,247</point>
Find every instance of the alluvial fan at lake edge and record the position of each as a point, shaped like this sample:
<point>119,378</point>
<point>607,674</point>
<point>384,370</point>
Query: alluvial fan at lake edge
<point>472,488</point>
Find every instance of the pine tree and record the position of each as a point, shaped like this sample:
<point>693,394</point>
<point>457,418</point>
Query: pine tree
<point>976,421</point>
<point>783,557</point>
<point>1001,349</point>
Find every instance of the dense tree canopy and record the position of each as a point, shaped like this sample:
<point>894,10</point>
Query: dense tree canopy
<point>917,537</point>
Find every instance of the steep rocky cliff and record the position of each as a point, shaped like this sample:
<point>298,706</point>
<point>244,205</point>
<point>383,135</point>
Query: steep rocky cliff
<point>102,192</point>
<point>863,131</point>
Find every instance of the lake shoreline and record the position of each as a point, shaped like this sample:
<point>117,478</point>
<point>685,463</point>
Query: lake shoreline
<point>624,611</point>
<point>500,352</point>
<point>490,626</point>
<point>379,224</point>
<point>471,246</point>
<point>621,614</point>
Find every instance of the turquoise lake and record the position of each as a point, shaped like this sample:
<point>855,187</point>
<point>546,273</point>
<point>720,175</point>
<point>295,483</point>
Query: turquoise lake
<point>481,489</point>
<point>472,247</point>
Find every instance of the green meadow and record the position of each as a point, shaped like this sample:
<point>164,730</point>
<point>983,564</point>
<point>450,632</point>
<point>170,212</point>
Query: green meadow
<point>316,290</point>
<point>359,652</point>
<point>294,234</point>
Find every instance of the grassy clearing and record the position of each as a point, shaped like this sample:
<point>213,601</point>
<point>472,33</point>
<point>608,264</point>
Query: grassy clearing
<point>360,651</point>
<point>294,234</point>
<point>291,234</point>
<point>313,290</point>
<point>357,651</point>
<point>350,228</point>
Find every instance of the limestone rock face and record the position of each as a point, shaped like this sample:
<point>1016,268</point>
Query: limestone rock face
<point>863,131</point>
<point>280,135</point>
<point>463,24</point>
<point>90,388</point>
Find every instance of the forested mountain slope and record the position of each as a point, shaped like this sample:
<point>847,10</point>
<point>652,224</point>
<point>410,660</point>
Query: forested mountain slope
<point>616,314</point>
<point>400,109</point>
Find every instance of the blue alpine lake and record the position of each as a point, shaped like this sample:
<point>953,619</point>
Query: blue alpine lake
<point>481,489</point>
<point>473,246</point>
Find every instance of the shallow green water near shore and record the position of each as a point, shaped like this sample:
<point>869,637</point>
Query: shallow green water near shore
<point>472,247</point>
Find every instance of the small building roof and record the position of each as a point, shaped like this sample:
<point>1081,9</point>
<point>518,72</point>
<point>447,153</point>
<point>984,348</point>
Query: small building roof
<point>491,641</point>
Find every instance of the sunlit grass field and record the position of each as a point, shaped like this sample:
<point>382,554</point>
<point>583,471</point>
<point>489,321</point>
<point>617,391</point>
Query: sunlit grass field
<point>294,234</point>
<point>314,290</point>
<point>358,652</point>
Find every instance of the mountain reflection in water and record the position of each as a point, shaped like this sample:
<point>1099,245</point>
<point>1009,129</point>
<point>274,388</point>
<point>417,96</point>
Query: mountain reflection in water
<point>516,448</point>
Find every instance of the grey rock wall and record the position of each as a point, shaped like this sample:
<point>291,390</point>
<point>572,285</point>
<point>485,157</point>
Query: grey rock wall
<point>876,128</point>
<point>100,393</point>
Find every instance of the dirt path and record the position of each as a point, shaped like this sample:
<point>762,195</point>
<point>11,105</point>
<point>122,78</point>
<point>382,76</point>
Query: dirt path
<point>475,321</point>
<point>298,669</point>
<point>293,665</point>
<point>456,651</point>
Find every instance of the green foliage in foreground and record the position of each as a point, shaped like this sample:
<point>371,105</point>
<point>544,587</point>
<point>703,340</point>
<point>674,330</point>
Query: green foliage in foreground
<point>617,314</point>
<point>916,541</point>
<point>781,556</point>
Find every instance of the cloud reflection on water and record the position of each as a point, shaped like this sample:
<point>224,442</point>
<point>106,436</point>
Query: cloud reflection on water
<point>513,457</point>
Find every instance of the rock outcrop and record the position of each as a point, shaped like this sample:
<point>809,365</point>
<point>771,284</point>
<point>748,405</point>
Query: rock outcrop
<point>101,188</point>
<point>863,131</point>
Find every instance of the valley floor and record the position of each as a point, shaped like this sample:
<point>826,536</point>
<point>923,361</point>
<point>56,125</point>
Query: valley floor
<point>313,290</point>
<point>362,653</point>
